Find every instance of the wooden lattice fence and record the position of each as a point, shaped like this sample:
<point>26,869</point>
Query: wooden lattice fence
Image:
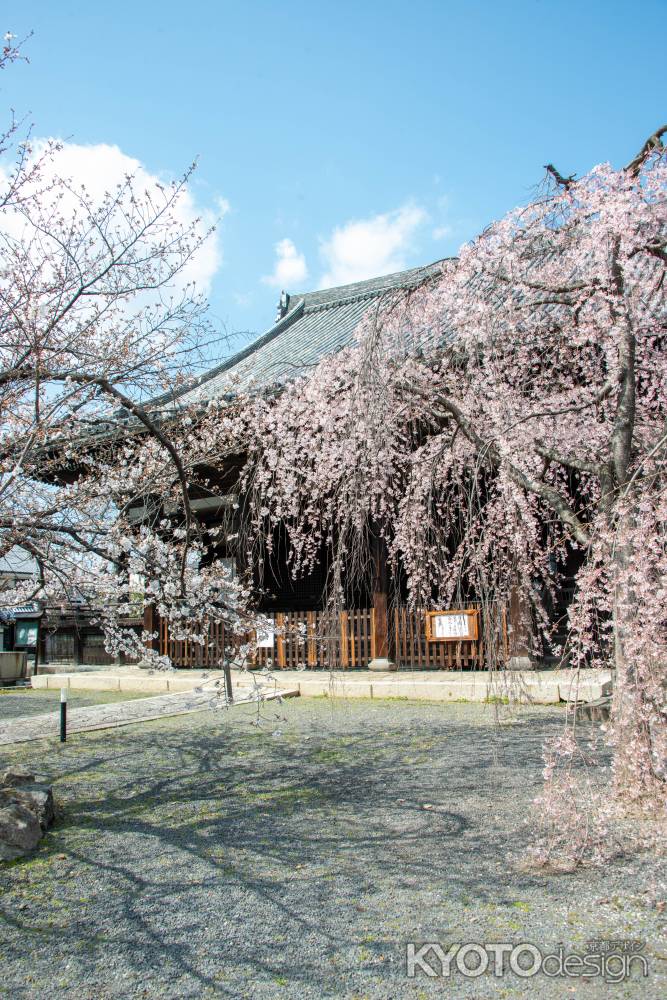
<point>315,639</point>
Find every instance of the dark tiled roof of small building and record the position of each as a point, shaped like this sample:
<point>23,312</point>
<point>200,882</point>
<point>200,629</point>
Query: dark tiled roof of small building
<point>18,563</point>
<point>314,325</point>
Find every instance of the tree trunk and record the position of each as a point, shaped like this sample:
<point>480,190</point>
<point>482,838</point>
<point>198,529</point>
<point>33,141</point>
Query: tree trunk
<point>636,770</point>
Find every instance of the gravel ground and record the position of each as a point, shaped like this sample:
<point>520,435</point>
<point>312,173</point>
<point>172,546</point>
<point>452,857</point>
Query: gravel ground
<point>17,703</point>
<point>207,856</point>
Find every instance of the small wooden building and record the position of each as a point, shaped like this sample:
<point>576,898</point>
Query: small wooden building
<point>64,635</point>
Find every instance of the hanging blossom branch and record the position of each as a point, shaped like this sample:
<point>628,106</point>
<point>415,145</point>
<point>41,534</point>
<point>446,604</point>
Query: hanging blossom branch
<point>497,428</point>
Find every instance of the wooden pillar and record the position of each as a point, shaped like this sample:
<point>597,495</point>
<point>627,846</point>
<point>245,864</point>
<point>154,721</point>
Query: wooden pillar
<point>381,636</point>
<point>280,640</point>
<point>344,635</point>
<point>77,646</point>
<point>311,643</point>
<point>152,624</point>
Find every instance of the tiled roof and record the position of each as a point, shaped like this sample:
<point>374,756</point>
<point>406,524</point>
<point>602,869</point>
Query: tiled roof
<point>18,563</point>
<point>314,325</point>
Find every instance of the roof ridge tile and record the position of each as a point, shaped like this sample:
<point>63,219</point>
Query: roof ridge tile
<point>307,332</point>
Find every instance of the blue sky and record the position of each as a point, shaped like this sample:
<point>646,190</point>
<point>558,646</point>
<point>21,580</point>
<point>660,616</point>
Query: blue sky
<point>343,139</point>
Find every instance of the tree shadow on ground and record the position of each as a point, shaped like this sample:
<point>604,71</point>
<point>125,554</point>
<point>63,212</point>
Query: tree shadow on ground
<point>215,851</point>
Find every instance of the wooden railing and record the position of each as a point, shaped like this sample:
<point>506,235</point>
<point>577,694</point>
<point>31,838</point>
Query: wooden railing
<point>318,639</point>
<point>187,653</point>
<point>312,639</point>
<point>413,649</point>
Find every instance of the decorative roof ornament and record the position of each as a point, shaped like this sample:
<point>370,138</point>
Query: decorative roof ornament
<point>283,305</point>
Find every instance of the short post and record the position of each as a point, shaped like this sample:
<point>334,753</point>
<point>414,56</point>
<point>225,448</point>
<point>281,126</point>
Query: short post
<point>63,714</point>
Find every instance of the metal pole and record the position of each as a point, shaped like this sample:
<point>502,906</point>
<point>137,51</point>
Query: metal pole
<point>63,714</point>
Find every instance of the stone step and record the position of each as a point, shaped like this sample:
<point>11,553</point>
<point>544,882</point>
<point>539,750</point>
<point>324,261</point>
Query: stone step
<point>595,711</point>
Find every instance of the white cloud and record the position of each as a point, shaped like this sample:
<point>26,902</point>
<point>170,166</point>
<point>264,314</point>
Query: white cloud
<point>367,248</point>
<point>100,168</point>
<point>440,232</point>
<point>222,206</point>
<point>290,267</point>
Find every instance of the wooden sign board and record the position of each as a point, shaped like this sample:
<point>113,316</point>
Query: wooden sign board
<point>451,626</point>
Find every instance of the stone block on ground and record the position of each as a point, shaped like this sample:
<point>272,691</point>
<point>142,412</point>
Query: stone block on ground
<point>19,828</point>
<point>93,682</point>
<point>51,681</point>
<point>382,665</point>
<point>26,812</point>
<point>428,690</point>
<point>595,711</point>
<point>184,683</point>
<point>585,690</point>
<point>334,687</point>
<point>37,798</point>
<point>350,688</point>
<point>157,685</point>
<point>541,692</point>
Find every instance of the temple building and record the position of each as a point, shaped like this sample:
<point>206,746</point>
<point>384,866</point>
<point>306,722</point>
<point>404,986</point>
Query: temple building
<point>376,627</point>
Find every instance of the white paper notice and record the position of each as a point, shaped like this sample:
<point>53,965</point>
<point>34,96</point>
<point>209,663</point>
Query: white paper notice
<point>265,638</point>
<point>451,626</point>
